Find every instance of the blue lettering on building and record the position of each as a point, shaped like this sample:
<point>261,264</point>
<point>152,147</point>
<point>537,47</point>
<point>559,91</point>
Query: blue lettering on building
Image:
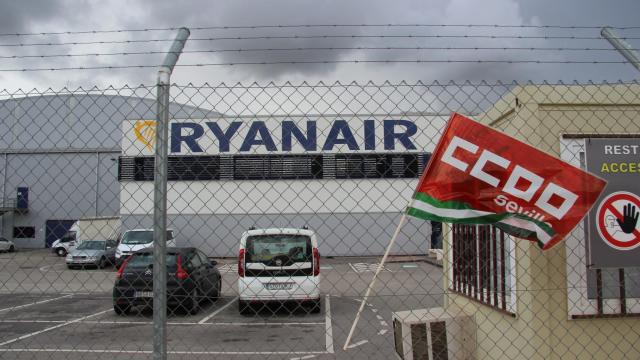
<point>177,137</point>
<point>308,142</point>
<point>390,134</point>
<point>224,138</point>
<point>369,134</point>
<point>397,135</point>
<point>340,134</point>
<point>258,127</point>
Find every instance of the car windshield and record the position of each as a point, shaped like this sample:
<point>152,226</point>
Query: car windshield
<point>141,237</point>
<point>69,236</point>
<point>92,245</point>
<point>144,260</point>
<point>268,249</point>
<point>137,237</point>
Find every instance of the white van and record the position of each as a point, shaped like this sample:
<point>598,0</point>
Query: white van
<point>87,228</point>
<point>278,264</point>
<point>67,242</point>
<point>138,239</point>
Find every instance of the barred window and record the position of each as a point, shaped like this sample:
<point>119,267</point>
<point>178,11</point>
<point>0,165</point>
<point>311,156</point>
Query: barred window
<point>277,167</point>
<point>481,265</point>
<point>24,232</point>
<point>179,168</point>
<point>144,167</point>
<point>193,168</point>
<point>135,168</point>
<point>366,166</point>
<point>264,167</point>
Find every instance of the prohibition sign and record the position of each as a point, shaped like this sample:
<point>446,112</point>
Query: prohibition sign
<point>613,205</point>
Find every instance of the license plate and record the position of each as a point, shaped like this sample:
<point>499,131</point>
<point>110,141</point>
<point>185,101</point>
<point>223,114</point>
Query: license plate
<point>143,294</point>
<point>278,286</point>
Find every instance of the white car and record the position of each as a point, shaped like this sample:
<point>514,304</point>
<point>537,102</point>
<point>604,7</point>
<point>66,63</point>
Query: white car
<point>7,245</point>
<point>138,239</point>
<point>278,265</point>
<point>65,244</point>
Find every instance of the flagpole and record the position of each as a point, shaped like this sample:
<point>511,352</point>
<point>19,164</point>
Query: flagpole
<point>375,276</point>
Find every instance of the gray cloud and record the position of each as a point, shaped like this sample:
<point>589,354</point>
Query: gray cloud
<point>28,16</point>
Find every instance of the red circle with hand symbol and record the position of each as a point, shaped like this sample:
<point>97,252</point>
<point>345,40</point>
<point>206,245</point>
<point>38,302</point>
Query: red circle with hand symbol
<point>618,222</point>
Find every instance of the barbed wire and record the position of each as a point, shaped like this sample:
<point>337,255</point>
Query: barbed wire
<point>112,90</point>
<point>294,26</point>
<point>326,36</point>
<point>312,62</point>
<point>333,48</point>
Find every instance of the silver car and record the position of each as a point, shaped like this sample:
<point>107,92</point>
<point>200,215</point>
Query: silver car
<point>98,253</point>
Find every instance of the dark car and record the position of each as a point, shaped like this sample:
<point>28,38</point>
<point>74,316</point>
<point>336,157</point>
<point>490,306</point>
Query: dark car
<point>191,278</point>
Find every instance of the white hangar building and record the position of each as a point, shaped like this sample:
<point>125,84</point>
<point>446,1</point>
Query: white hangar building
<point>348,177</point>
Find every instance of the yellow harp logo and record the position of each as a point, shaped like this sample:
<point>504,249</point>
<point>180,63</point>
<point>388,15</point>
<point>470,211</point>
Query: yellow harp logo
<point>145,131</point>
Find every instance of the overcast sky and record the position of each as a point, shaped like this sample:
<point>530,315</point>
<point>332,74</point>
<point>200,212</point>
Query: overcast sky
<point>28,16</point>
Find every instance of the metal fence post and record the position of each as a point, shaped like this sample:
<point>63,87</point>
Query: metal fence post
<point>160,198</point>
<point>623,48</point>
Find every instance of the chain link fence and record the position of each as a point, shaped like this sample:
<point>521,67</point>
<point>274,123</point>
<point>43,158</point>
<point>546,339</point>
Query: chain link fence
<point>281,200</point>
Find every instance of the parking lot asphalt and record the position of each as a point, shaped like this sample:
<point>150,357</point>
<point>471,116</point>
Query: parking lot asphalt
<point>50,312</point>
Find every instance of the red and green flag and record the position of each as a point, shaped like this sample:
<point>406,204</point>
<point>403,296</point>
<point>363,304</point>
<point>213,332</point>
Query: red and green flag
<point>478,175</point>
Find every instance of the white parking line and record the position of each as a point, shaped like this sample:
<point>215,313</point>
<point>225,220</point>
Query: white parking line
<point>34,303</point>
<point>361,342</point>
<point>366,267</point>
<point>218,311</point>
<point>266,324</point>
<point>115,322</point>
<point>52,328</point>
<point>409,266</point>
<point>327,324</point>
<point>174,352</point>
<point>32,321</point>
<point>227,268</point>
<point>382,332</point>
<point>304,357</point>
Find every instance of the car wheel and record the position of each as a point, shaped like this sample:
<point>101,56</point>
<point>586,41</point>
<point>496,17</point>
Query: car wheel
<point>122,309</point>
<point>61,252</point>
<point>315,307</point>
<point>102,263</point>
<point>12,249</point>
<point>193,301</point>
<point>216,295</point>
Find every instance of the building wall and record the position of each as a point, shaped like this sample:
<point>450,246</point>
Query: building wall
<point>65,148</point>
<point>542,329</point>
<point>346,234</point>
<point>352,217</point>
<point>61,187</point>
